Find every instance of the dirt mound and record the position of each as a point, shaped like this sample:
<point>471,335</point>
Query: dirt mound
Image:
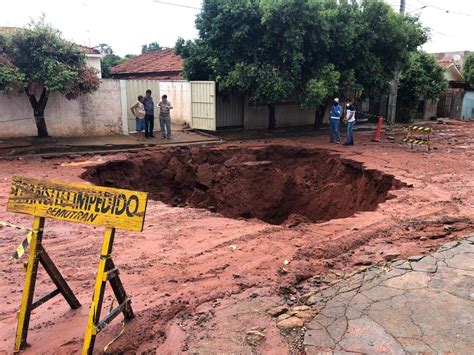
<point>269,183</point>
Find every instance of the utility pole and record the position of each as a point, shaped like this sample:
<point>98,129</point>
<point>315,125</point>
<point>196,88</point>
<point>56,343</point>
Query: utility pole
<point>392,98</point>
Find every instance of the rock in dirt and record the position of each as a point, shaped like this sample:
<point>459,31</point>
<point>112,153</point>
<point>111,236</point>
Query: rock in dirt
<point>306,296</point>
<point>313,300</point>
<point>304,315</point>
<point>254,337</point>
<point>300,308</point>
<point>283,316</point>
<point>290,323</point>
<point>276,311</point>
<point>391,256</point>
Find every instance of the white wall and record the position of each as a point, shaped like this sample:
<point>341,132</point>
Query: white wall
<point>179,93</point>
<point>89,115</point>
<point>93,60</point>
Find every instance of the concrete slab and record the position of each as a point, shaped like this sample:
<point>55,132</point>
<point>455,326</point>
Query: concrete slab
<point>425,310</point>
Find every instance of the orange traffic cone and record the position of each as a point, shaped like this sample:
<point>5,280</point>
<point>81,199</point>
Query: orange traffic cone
<point>378,130</point>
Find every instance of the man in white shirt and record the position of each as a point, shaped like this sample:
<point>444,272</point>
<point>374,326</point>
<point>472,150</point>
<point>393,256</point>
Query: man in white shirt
<point>350,120</point>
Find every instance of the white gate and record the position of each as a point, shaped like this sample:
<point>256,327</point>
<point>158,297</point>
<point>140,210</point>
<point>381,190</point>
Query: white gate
<point>130,89</point>
<point>203,105</point>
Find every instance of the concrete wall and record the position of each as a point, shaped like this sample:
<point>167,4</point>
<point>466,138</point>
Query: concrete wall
<point>179,93</point>
<point>286,115</point>
<point>430,109</point>
<point>93,60</point>
<point>94,114</point>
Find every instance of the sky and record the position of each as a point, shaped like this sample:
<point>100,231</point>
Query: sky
<point>126,25</point>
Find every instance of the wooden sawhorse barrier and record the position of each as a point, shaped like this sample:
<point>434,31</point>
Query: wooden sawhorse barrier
<point>112,208</point>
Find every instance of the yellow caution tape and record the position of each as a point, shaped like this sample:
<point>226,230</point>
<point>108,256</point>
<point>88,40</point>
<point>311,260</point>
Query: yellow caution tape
<point>118,336</point>
<point>420,129</point>
<point>20,251</point>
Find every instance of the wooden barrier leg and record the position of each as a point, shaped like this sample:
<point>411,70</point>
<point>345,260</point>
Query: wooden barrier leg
<point>29,289</point>
<point>120,293</point>
<point>58,279</point>
<point>99,289</point>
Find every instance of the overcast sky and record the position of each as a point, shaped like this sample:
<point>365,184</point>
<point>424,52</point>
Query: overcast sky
<point>127,24</point>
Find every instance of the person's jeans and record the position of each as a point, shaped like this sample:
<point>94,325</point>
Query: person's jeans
<point>149,125</point>
<point>350,136</point>
<point>334,134</point>
<point>165,125</point>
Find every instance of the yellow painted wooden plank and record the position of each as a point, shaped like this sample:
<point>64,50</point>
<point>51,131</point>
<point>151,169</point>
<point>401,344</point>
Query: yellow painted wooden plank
<point>103,206</point>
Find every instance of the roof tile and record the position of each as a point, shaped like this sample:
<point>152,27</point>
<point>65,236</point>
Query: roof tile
<point>151,62</point>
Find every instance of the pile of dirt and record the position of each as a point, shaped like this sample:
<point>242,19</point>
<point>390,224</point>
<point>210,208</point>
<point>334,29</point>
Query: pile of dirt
<point>271,183</point>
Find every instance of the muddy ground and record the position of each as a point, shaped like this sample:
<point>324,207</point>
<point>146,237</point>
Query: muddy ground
<point>235,229</point>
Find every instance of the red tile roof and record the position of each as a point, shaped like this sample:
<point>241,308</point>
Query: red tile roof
<point>87,50</point>
<point>154,64</point>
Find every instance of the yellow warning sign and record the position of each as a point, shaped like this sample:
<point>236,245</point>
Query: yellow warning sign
<point>103,206</point>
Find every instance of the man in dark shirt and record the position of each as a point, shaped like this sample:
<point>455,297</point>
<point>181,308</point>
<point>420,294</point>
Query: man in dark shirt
<point>149,114</point>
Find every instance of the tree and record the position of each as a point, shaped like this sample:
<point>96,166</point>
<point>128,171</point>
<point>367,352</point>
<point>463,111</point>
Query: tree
<point>104,49</point>
<point>271,50</point>
<point>423,77</point>
<point>37,61</point>
<point>108,62</point>
<point>468,70</point>
<point>154,46</point>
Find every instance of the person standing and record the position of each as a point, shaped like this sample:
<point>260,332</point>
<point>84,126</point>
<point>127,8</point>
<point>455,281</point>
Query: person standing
<point>334,122</point>
<point>350,120</point>
<point>165,117</point>
<point>138,110</point>
<point>149,114</point>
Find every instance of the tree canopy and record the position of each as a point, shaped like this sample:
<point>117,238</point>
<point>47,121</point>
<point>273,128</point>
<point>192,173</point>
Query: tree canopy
<point>272,50</point>
<point>153,46</point>
<point>423,77</point>
<point>468,70</point>
<point>37,61</point>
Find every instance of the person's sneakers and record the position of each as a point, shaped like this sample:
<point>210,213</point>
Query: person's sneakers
<point>168,137</point>
<point>338,142</point>
<point>152,136</point>
<point>163,137</point>
<point>331,142</point>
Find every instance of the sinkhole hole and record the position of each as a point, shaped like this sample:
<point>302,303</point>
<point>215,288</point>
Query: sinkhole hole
<point>272,183</point>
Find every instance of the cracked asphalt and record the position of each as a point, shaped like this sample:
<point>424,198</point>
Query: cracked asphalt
<point>425,304</point>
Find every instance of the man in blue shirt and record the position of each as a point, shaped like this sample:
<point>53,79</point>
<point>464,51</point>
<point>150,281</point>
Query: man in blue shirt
<point>149,114</point>
<point>334,119</point>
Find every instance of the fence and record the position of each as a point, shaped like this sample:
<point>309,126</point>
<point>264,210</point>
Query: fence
<point>88,115</point>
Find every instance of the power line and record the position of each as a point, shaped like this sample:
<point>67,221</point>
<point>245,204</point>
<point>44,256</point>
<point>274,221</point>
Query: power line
<point>445,10</point>
<point>178,5</point>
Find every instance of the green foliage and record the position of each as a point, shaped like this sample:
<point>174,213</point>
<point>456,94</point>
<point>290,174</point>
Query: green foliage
<point>468,70</point>
<point>422,76</point>
<point>108,62</point>
<point>154,46</point>
<point>37,60</point>
<point>271,50</point>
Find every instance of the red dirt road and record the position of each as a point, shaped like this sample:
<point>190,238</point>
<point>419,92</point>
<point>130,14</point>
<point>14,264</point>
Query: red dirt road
<point>199,281</point>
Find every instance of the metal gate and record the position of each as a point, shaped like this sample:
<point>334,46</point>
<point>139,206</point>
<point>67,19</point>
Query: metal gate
<point>230,111</point>
<point>129,90</point>
<point>203,105</point>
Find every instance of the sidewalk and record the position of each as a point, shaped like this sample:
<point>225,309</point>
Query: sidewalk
<point>423,305</point>
<point>13,147</point>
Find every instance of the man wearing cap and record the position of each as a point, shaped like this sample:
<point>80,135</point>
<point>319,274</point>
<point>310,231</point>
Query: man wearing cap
<point>334,119</point>
<point>350,120</point>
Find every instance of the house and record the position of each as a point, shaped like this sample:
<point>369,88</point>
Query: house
<point>156,65</point>
<point>457,100</point>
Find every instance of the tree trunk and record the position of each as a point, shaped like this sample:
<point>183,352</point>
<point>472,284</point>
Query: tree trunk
<point>271,116</point>
<point>319,116</point>
<point>38,111</point>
